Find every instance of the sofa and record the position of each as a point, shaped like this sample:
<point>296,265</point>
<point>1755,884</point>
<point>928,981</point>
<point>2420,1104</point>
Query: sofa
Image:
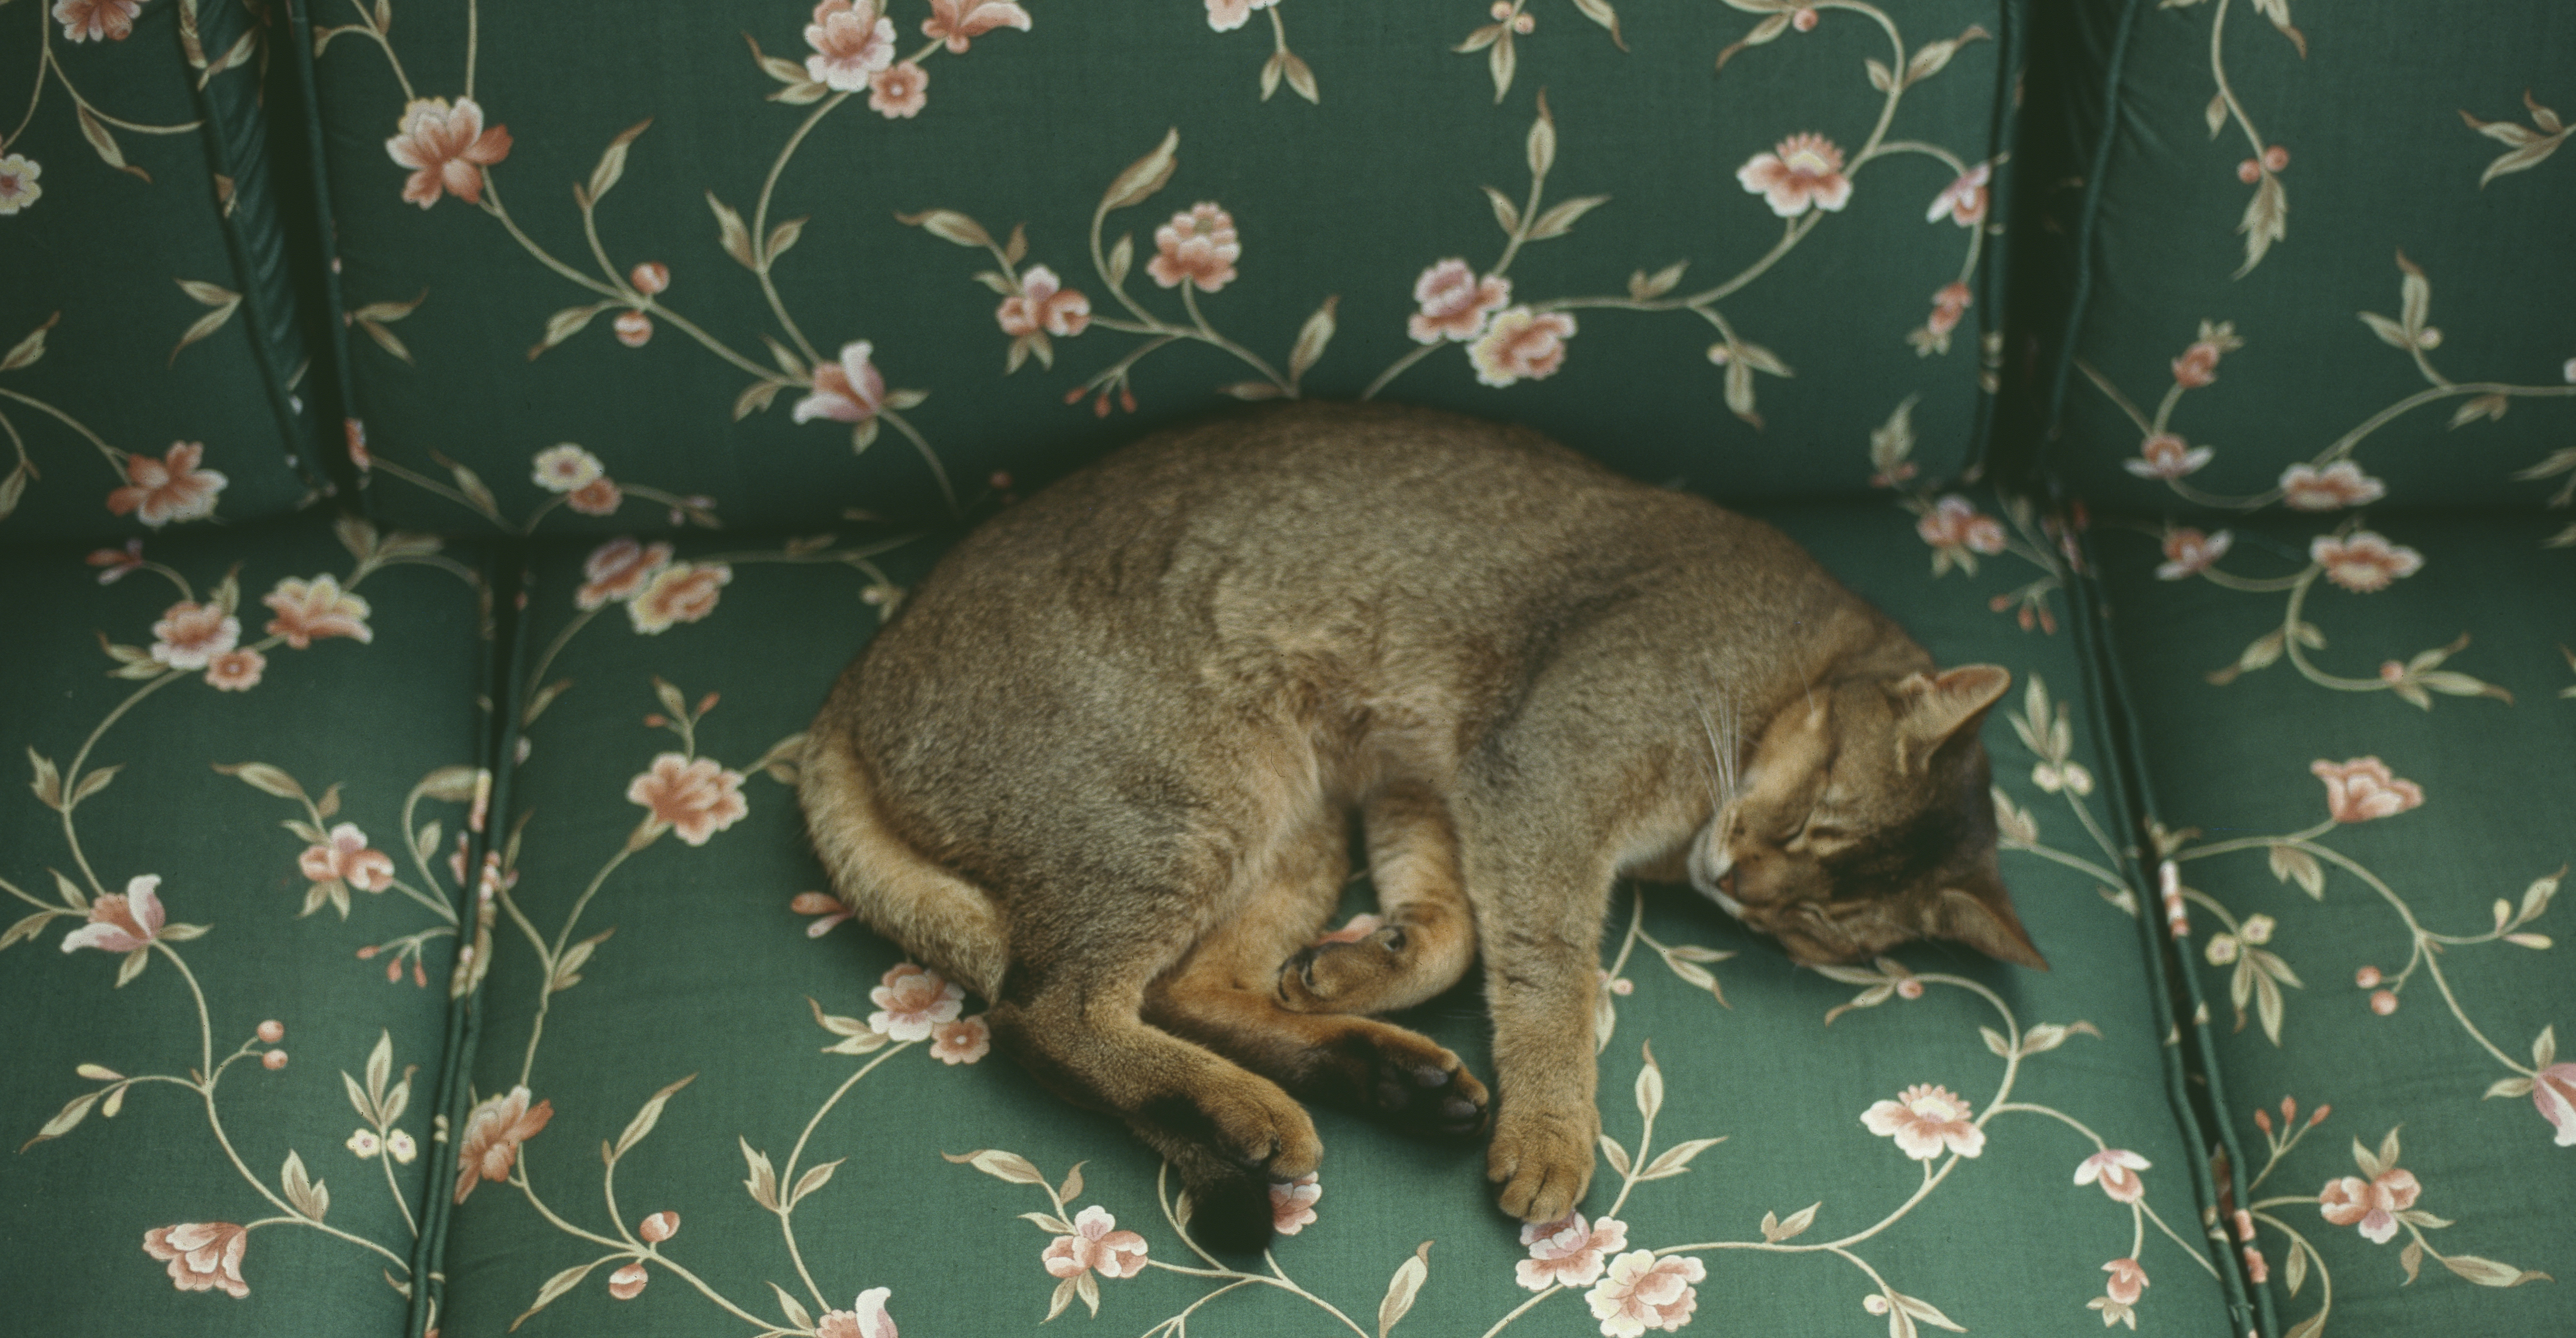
<point>411,666</point>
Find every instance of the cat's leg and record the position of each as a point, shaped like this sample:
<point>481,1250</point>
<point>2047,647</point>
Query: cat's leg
<point>1539,900</point>
<point>1074,1021</point>
<point>1224,998</point>
<point>1429,935</point>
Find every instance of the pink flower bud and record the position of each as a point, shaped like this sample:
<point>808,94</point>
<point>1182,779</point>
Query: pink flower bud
<point>626,1282</point>
<point>650,277</point>
<point>2383,1002</point>
<point>272,1031</point>
<point>274,1059</point>
<point>2275,158</point>
<point>2249,171</point>
<point>2366,978</point>
<point>633,328</point>
<point>659,1227</point>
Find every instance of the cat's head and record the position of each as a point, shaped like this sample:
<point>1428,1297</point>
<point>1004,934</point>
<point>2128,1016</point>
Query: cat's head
<point>1864,819</point>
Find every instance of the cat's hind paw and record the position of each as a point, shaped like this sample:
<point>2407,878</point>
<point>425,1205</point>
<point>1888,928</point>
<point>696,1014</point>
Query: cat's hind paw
<point>1542,1162</point>
<point>1347,975</point>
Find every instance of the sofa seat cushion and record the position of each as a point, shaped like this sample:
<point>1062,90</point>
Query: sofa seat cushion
<point>730,270</point>
<point>2366,861</point>
<point>280,818</point>
<point>682,1000</point>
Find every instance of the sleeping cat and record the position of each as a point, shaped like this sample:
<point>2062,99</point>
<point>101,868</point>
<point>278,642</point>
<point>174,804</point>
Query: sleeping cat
<point>1102,766</point>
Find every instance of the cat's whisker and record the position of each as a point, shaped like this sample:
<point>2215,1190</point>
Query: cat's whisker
<point>1721,779</point>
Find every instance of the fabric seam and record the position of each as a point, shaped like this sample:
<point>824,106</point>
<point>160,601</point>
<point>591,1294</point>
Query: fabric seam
<point>2087,226</point>
<point>2250,1304</point>
<point>345,469</point>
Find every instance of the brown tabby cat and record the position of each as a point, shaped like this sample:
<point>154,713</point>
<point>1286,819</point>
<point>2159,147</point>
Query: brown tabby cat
<point>1101,770</point>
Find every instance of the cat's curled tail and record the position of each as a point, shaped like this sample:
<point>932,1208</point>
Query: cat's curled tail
<point>945,922</point>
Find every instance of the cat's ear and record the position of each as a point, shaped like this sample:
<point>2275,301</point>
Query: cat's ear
<point>1938,707</point>
<point>1984,920</point>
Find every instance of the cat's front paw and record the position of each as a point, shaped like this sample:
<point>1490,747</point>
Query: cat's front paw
<point>1346,975</point>
<point>1542,1160</point>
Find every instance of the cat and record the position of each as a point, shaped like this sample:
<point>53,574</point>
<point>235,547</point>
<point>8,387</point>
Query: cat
<point>1101,767</point>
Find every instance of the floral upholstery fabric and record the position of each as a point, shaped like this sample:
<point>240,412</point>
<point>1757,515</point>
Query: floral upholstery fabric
<point>153,371</point>
<point>2364,892</point>
<point>449,842</point>
<point>872,257</point>
<point>233,894</point>
<point>2310,258</point>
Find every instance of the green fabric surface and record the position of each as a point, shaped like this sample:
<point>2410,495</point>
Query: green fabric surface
<point>149,300</point>
<point>2388,282</point>
<point>700,974</point>
<point>372,733</point>
<point>2304,915</point>
<point>1339,206</point>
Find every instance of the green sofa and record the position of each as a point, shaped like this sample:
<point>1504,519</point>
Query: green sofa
<point>413,930</point>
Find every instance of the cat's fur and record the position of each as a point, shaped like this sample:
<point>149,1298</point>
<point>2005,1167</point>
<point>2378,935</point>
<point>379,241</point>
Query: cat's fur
<point>1102,766</point>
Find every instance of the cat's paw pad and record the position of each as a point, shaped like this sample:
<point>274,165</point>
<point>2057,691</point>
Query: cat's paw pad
<point>1543,1163</point>
<point>1426,1090</point>
<point>1343,975</point>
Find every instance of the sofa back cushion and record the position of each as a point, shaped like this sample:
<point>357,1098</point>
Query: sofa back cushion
<point>152,372</point>
<point>2322,262</point>
<point>611,269</point>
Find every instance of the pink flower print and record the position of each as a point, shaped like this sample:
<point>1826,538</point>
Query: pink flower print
<point>202,1255</point>
<point>695,797</point>
<point>493,1133</point>
<point>235,670</point>
<point>868,1319</point>
<point>961,1042</point>
<point>566,466</point>
<point>2198,365</point>
<point>899,90</point>
<point>1521,344</point>
<point>911,1000</point>
<point>1641,1292</point>
<point>2364,562</point>
<point>1949,304</point>
<point>850,41</point>
<point>618,569</point>
<point>1954,523</point>
<point>1803,172</point>
<point>599,497</point>
<point>348,859</point>
<point>682,592</point>
<point>170,488</point>
<point>1227,15</point>
<point>958,22</point>
<point>1924,1119</point>
<point>114,563</point>
<point>18,187</point>
<point>1566,1252</point>
<point>354,432</point>
<point>190,635</point>
<point>2189,552</point>
<point>1044,303</point>
<point>2364,788</point>
<point>658,1227</point>
<point>1096,1245</point>
<point>447,149</point>
<point>2332,488</point>
<point>1292,1205</point>
<point>2553,1090</point>
<point>97,20</point>
<point>1455,302</point>
<point>1963,201</point>
<point>2127,1281</point>
<point>2166,456</point>
<point>848,391</point>
<point>122,922</point>
<point>310,610</point>
<point>2371,1204</point>
<point>828,912</point>
<point>634,328</point>
<point>628,1282</point>
<point>1198,247</point>
<point>2116,1169</point>
<point>649,277</point>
